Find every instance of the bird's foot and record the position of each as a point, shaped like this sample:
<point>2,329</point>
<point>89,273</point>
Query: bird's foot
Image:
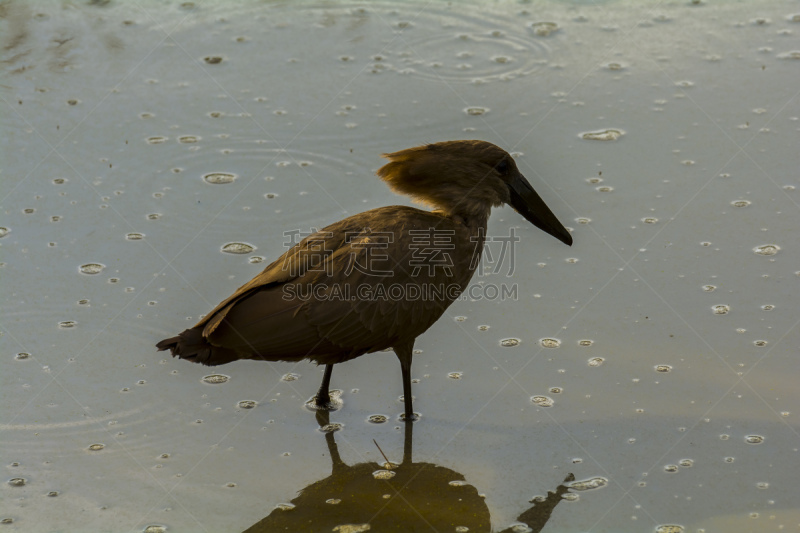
<point>332,403</point>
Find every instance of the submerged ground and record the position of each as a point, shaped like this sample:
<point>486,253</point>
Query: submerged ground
<point>156,155</point>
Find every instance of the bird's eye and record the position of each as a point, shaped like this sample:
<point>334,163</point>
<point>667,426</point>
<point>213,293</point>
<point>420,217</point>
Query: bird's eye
<point>502,166</point>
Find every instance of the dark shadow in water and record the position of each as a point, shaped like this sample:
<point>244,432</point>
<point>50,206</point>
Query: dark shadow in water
<point>416,497</point>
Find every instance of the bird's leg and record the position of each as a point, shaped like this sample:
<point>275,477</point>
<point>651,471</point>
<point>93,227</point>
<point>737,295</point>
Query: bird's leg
<point>405,353</point>
<point>323,397</point>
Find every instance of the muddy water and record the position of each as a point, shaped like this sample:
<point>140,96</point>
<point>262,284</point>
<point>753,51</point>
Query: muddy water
<point>155,154</point>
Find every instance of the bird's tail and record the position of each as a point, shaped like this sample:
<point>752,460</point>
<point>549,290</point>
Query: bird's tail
<point>192,346</point>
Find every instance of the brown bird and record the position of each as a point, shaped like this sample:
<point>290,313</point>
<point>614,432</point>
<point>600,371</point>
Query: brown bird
<point>375,280</point>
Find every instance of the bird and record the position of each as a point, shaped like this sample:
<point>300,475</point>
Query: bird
<point>375,280</point>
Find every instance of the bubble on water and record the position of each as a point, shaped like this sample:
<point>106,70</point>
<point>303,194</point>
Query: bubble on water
<point>721,309</point>
<point>509,342</point>
<point>589,484</point>
<point>476,111</point>
<point>455,375</point>
<point>754,439</point>
<point>686,463</point>
<point>213,60</point>
<point>157,139</point>
<point>134,236</point>
<point>3,232</point>
<point>238,248</point>
<point>483,327</point>
<point>585,342</point>
<point>91,268</point>
<point>669,528</point>
<point>155,528</point>
<point>66,324</point>
<point>21,356</point>
<point>556,390</point>
<point>596,361</point>
<point>650,220</point>
<point>383,474</point>
<point>378,419</point>
<point>615,66</point>
<point>605,135</point>
<point>246,404</point>
<point>542,401</point>
<point>767,249</point>
<point>663,368</point>
<point>544,29</point>
<point>709,288</point>
<point>550,343</point>
<point>457,483</point>
<point>331,428</point>
<point>670,469</point>
<point>740,203</point>
<point>760,343</point>
<point>17,481</point>
<point>214,379</point>
<point>188,139</point>
<point>96,447</point>
<point>684,83</point>
<point>290,377</point>
<point>767,307</point>
<point>218,178</point>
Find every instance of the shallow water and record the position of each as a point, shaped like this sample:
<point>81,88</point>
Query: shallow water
<point>655,359</point>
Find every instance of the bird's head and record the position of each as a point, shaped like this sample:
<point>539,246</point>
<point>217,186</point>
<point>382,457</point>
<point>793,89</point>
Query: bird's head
<point>468,178</point>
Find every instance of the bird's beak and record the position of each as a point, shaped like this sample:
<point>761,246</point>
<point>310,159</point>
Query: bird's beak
<point>531,206</point>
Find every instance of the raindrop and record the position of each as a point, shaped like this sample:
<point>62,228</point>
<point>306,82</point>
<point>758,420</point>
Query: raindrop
<point>333,501</point>
<point>754,439</point>
<point>383,474</point>
<point>21,356</point>
<point>686,463</point>
<point>377,419</point>
<point>650,220</point>
<point>542,401</point>
<point>605,135</point>
<point>246,404</point>
<point>215,378</point>
<point>284,506</point>
<point>544,29</point>
<point>91,268</point>
<point>670,469</point>
<point>476,111</point>
<point>550,343</point>
<point>663,368</point>
<point>721,309</point>
<point>238,248</point>
<point>509,342</point>
<point>330,428</point>
<point>187,139</point>
<point>157,139</point>
<point>134,236</point>
<point>218,178</point>
<point>740,203</point>
<point>596,361</point>
<point>709,288</point>
<point>585,342</point>
<point>96,447</point>
<point>3,232</point>
<point>455,375</point>
<point>768,307</point>
<point>17,481</point>
<point>767,249</point>
<point>213,60</point>
<point>589,484</point>
<point>290,377</point>
<point>669,528</point>
<point>760,343</point>
<point>66,324</point>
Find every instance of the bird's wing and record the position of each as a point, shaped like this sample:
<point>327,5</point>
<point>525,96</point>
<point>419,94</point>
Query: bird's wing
<point>352,302</point>
<point>305,256</point>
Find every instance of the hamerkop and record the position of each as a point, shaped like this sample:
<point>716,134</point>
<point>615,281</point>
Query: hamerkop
<point>375,280</point>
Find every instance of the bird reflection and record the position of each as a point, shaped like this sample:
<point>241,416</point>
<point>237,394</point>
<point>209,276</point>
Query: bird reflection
<point>394,497</point>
